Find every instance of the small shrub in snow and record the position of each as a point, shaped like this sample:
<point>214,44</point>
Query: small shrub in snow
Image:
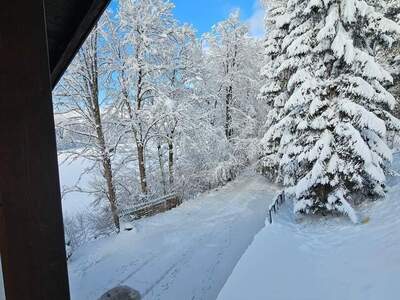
<point>86,226</point>
<point>225,172</point>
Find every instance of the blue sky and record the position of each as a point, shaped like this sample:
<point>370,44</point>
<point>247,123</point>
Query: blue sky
<point>205,13</point>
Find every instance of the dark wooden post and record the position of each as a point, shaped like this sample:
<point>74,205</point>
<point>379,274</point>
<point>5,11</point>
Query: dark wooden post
<point>31,227</point>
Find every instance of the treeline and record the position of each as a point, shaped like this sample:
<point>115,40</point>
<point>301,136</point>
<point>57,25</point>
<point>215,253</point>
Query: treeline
<point>314,105</point>
<point>157,109</point>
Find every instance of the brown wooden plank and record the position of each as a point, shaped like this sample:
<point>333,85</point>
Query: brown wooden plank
<point>68,36</point>
<point>31,233</point>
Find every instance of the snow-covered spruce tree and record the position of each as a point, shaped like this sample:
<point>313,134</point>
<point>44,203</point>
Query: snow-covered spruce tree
<point>273,94</point>
<point>391,56</point>
<point>332,130</point>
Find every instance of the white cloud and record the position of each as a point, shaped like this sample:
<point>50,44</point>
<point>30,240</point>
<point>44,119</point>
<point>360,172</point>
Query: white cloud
<point>256,21</point>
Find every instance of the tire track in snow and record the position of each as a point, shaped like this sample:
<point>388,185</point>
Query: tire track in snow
<point>186,253</point>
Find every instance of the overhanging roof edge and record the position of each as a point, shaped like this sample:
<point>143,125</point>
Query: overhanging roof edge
<point>76,40</point>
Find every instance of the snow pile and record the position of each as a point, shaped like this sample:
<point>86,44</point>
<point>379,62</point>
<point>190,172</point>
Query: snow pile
<point>328,258</point>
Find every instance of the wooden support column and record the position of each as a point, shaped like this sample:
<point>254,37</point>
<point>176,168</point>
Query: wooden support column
<point>31,228</point>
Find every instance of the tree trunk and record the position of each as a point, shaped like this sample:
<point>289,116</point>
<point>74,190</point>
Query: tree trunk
<point>106,160</point>
<point>230,65</point>
<point>137,132</point>
<point>139,147</point>
<point>142,167</point>
<point>228,113</point>
<point>111,195</point>
<point>161,164</point>
<point>171,162</point>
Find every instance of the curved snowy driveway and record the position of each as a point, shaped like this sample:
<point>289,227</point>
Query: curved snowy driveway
<point>187,253</point>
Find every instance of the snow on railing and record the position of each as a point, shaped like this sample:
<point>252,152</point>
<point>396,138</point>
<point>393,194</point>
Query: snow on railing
<point>274,207</point>
<point>147,204</point>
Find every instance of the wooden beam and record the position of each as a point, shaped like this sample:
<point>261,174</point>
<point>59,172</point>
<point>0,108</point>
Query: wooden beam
<point>75,41</point>
<point>31,232</point>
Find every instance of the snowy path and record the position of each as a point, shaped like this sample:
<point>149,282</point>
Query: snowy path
<point>327,258</point>
<point>187,253</point>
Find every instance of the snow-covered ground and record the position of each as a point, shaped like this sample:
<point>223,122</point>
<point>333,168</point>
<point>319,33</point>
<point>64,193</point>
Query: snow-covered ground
<point>325,259</point>
<point>190,252</point>
<point>71,173</point>
<point>186,253</point>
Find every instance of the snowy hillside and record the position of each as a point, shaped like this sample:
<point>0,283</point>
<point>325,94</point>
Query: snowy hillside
<point>186,253</point>
<point>324,258</point>
<point>71,171</point>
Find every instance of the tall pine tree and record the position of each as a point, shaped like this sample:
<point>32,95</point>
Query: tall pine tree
<point>274,93</point>
<point>332,129</point>
<point>391,56</point>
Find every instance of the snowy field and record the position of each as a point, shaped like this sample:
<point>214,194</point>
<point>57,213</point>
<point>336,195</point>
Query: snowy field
<point>325,259</point>
<point>74,202</point>
<point>186,253</point>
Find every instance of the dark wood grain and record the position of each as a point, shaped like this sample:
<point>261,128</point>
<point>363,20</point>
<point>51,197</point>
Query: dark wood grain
<point>68,24</point>
<point>31,232</point>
